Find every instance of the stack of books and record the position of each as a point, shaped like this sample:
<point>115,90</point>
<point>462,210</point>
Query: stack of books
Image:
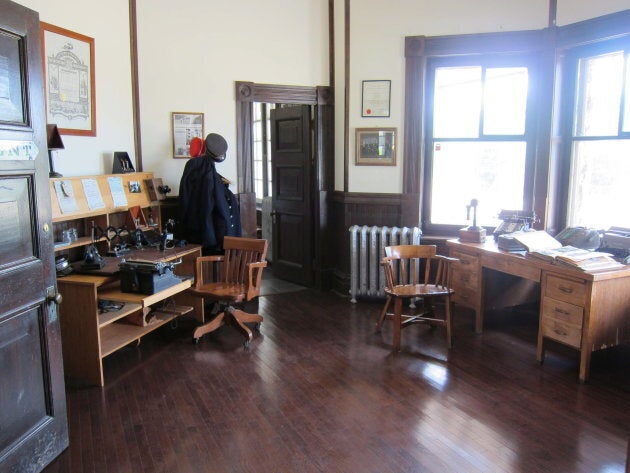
<point>542,246</point>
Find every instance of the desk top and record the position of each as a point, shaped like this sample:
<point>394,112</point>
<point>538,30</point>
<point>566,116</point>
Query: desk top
<point>111,262</point>
<point>491,252</point>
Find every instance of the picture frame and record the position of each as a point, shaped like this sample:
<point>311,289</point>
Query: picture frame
<point>185,127</point>
<point>376,98</point>
<point>375,146</point>
<point>69,86</point>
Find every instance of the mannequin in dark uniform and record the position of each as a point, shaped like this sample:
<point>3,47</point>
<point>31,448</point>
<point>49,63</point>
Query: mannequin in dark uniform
<point>208,210</point>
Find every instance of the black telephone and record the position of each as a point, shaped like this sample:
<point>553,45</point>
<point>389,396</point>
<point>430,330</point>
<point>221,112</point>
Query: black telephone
<point>514,221</point>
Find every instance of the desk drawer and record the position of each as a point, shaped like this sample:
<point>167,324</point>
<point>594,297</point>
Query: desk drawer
<point>465,279</point>
<point>568,290</point>
<point>562,311</point>
<point>464,296</point>
<point>561,331</point>
<point>466,262</point>
<point>511,265</point>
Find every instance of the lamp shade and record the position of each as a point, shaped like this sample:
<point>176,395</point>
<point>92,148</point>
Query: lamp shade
<point>54,138</point>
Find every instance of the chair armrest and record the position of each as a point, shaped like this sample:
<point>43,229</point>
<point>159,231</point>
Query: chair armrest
<point>447,259</point>
<point>254,277</point>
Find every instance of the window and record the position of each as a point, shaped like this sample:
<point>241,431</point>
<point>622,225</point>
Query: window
<point>599,151</point>
<point>479,144</point>
<point>261,147</point>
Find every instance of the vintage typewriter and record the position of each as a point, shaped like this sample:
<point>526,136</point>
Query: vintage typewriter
<point>147,277</point>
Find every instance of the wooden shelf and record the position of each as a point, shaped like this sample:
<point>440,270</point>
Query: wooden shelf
<point>117,335</point>
<point>83,241</point>
<point>144,300</point>
<point>113,315</point>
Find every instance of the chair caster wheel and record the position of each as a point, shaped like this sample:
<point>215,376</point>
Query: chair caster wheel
<point>195,341</point>
<point>257,326</point>
<point>246,344</point>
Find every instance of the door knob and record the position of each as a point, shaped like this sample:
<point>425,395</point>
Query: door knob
<point>53,296</point>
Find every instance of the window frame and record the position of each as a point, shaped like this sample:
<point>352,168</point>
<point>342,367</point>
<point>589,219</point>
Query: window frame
<point>569,88</point>
<point>550,46</point>
<point>491,60</point>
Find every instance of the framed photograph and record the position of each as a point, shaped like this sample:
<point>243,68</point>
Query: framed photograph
<point>186,126</point>
<point>69,80</point>
<point>376,146</point>
<point>376,98</point>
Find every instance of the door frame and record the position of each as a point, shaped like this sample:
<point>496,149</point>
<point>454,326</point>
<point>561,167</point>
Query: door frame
<point>323,179</point>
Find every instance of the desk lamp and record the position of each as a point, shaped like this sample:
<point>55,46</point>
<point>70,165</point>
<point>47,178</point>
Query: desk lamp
<point>54,143</point>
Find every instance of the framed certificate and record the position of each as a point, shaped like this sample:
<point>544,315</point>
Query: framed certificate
<point>376,98</point>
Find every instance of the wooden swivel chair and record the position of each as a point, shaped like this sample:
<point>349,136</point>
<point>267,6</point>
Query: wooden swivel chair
<point>423,275</point>
<point>230,279</point>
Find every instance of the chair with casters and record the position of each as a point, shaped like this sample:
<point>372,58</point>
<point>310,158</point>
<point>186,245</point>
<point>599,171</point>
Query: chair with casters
<point>231,280</point>
<point>416,272</point>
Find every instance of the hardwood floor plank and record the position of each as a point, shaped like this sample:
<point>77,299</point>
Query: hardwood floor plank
<point>318,391</point>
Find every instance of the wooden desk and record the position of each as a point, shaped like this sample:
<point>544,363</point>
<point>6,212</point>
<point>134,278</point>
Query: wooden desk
<point>586,311</point>
<point>89,336</point>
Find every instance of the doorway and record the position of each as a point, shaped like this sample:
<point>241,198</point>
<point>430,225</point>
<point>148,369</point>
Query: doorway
<point>313,267</point>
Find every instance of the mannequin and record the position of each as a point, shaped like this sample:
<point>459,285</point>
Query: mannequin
<point>208,210</point>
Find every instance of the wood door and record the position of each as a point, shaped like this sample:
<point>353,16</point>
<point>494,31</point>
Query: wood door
<point>292,208</point>
<point>33,421</point>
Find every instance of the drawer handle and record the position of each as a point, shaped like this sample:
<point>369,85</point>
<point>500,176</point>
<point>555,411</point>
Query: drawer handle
<point>465,279</point>
<point>566,290</point>
<point>557,330</point>
<point>464,297</point>
<point>561,311</point>
<point>464,262</point>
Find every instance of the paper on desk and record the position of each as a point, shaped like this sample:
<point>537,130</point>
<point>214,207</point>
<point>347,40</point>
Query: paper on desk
<point>93,194</point>
<point>118,191</point>
<point>65,196</point>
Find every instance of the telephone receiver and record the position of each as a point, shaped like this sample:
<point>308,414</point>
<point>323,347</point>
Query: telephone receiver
<point>580,237</point>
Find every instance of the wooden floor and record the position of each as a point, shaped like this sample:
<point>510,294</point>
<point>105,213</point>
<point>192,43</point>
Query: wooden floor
<point>319,392</point>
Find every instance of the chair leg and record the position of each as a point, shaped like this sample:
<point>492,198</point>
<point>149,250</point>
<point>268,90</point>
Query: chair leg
<point>211,326</point>
<point>397,322</point>
<point>381,318</point>
<point>448,322</point>
<point>239,318</point>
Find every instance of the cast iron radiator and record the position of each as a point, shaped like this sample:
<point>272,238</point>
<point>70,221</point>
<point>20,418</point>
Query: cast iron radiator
<point>367,247</point>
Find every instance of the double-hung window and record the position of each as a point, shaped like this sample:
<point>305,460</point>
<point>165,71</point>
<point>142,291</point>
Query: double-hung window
<point>599,136</point>
<point>480,141</point>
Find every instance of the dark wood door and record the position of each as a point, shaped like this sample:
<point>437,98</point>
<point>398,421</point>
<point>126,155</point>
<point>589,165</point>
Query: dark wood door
<point>33,421</point>
<point>292,208</point>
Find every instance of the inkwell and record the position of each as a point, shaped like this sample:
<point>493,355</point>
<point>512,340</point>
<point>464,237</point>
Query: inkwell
<point>472,233</point>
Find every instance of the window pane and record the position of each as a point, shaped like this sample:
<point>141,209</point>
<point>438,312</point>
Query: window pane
<point>599,95</point>
<point>626,111</point>
<point>492,172</point>
<point>505,101</point>
<point>457,102</point>
<point>599,193</point>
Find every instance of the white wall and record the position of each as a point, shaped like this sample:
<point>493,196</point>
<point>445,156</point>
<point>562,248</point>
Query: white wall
<point>572,11</point>
<point>108,23</point>
<point>191,53</point>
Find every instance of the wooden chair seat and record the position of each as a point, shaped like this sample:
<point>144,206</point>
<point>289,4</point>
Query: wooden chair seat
<point>231,279</point>
<point>409,264</point>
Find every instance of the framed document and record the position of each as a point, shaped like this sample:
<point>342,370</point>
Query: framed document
<point>376,146</point>
<point>186,126</point>
<point>376,96</point>
<point>69,80</point>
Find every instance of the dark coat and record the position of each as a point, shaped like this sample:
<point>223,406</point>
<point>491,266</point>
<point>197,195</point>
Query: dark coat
<point>208,210</point>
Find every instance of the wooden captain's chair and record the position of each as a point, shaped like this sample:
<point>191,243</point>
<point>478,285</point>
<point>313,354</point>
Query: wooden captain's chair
<point>231,279</point>
<point>423,275</point>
